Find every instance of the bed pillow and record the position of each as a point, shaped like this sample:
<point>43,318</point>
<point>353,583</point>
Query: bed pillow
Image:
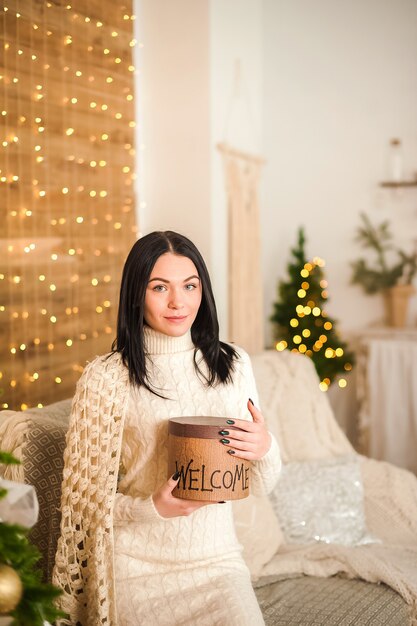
<point>322,501</point>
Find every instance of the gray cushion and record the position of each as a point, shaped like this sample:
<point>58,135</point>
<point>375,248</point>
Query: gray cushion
<point>335,601</point>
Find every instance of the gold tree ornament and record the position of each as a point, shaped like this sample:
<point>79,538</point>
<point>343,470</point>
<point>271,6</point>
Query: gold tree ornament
<point>11,589</point>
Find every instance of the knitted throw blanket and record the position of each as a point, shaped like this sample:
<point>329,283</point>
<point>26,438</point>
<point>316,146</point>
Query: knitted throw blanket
<point>84,561</point>
<point>300,417</point>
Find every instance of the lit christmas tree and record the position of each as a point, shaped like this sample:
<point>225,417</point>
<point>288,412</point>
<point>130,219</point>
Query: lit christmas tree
<point>302,325</point>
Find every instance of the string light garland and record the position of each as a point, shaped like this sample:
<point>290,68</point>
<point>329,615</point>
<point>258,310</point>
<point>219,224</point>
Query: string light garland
<point>67,173</point>
<point>302,324</point>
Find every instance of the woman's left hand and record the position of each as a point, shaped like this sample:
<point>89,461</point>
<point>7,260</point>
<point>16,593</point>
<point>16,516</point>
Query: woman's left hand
<point>252,442</point>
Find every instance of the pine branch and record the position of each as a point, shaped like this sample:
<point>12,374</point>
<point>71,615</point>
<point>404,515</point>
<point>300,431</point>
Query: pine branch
<point>409,264</point>
<point>38,601</point>
<point>8,459</point>
<point>381,275</point>
<point>376,237</point>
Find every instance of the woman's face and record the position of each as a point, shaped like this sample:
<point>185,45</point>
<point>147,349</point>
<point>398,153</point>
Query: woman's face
<point>173,295</point>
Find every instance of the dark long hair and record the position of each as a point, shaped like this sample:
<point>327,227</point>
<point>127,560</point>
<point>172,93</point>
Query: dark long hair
<point>218,356</point>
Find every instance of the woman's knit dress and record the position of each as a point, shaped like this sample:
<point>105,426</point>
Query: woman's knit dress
<point>184,571</point>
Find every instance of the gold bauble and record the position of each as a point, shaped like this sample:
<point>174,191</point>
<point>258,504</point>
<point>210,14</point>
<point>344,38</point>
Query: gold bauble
<point>11,589</point>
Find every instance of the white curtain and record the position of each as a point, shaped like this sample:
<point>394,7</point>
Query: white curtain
<point>391,376</point>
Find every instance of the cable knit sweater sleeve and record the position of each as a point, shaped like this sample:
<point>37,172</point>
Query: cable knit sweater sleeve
<point>130,509</point>
<point>265,472</point>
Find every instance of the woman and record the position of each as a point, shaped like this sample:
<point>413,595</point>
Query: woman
<point>131,553</point>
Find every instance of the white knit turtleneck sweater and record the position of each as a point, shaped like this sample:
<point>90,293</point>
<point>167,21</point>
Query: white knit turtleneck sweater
<point>182,570</point>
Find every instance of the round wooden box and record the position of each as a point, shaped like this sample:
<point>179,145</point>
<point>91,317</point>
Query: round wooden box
<point>207,471</point>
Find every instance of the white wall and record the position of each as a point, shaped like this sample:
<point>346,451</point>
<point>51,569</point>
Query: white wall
<point>199,83</point>
<point>323,87</point>
<point>236,60</point>
<point>340,80</point>
<point>173,99</point>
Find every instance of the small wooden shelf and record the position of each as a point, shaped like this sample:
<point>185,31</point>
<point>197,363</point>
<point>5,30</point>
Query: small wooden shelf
<point>401,183</point>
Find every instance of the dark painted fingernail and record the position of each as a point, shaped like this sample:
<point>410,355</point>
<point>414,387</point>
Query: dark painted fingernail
<point>222,502</point>
<point>175,476</point>
<point>224,441</point>
<point>230,421</point>
<point>223,432</point>
<point>251,401</point>
<point>231,451</point>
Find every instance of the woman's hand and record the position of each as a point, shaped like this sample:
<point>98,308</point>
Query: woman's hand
<point>168,505</point>
<point>252,442</point>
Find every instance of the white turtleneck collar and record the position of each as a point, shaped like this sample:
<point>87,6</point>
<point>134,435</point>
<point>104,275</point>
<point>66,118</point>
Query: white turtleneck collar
<point>158,343</point>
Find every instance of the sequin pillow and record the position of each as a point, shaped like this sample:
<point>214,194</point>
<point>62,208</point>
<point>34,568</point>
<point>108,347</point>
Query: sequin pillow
<point>322,501</point>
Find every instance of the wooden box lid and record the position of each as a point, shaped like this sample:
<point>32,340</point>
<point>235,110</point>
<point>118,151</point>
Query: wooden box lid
<point>200,427</point>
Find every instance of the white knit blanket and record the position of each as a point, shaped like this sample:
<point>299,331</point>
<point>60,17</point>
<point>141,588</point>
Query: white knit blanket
<point>302,420</point>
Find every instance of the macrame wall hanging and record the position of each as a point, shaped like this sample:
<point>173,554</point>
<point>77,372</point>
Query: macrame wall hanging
<point>242,174</point>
